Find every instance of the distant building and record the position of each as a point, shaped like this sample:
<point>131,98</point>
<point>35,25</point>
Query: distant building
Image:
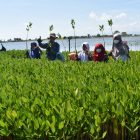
<point>17,39</point>
<point>124,34</point>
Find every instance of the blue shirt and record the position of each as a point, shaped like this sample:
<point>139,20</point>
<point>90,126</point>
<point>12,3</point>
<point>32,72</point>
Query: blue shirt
<point>51,49</point>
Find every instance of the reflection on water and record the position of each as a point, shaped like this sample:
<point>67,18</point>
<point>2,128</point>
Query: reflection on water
<point>133,42</point>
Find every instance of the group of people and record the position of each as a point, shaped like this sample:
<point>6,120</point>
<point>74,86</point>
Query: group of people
<point>52,49</point>
<point>120,50</point>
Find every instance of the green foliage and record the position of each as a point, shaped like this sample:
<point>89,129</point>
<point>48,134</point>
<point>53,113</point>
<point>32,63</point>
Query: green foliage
<point>41,99</point>
<point>73,23</point>
<point>29,26</point>
<point>51,28</point>
<point>101,28</point>
<point>110,22</point>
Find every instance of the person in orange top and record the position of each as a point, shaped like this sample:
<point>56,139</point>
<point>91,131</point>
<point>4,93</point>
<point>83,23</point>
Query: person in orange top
<point>99,54</point>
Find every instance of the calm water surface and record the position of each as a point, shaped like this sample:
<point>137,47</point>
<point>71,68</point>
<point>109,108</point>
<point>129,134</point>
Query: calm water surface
<point>133,42</point>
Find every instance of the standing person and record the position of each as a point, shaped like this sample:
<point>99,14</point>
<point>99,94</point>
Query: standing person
<point>52,47</point>
<point>99,54</point>
<point>35,51</point>
<point>120,49</point>
<point>3,48</point>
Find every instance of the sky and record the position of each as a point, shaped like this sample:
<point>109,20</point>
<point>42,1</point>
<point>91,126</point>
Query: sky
<point>88,15</point>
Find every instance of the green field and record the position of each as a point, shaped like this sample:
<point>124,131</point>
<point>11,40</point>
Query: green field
<point>47,100</point>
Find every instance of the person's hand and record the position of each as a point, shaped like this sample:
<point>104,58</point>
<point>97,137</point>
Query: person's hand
<point>39,40</point>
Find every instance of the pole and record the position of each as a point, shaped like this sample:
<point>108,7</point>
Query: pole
<point>69,42</point>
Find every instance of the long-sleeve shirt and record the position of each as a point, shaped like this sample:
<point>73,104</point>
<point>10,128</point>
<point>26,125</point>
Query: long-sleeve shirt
<point>51,49</point>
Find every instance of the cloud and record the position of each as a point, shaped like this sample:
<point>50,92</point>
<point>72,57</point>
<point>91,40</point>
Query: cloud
<point>120,16</point>
<point>106,16</point>
<point>93,15</point>
<point>122,21</point>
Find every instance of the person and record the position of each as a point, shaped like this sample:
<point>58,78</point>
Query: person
<point>3,48</point>
<point>52,47</point>
<point>99,53</point>
<point>35,51</point>
<point>83,55</point>
<point>120,49</point>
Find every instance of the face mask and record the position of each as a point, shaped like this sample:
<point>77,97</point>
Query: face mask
<point>98,50</point>
<point>116,41</point>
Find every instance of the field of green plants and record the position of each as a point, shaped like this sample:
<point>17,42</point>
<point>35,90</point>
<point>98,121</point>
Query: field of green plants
<point>47,100</point>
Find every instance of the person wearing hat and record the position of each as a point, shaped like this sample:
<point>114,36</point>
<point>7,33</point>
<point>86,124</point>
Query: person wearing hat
<point>52,47</point>
<point>120,49</point>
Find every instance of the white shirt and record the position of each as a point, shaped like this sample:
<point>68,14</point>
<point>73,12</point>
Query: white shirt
<point>82,56</point>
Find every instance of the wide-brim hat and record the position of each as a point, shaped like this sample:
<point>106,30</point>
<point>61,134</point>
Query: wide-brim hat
<point>53,35</point>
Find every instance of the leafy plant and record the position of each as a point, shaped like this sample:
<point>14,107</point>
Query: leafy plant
<point>101,28</point>
<point>51,28</point>
<point>110,23</point>
<point>73,27</point>
<point>28,27</point>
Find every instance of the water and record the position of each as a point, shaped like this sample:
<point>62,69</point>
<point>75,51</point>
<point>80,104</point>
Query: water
<point>133,42</point>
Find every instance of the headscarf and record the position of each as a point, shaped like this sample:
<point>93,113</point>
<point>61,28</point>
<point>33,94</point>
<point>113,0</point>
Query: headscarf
<point>99,56</point>
<point>118,37</point>
<point>87,46</point>
<point>118,48</point>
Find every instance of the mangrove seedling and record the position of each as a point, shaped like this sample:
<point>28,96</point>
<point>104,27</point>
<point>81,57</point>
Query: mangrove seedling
<point>28,27</point>
<point>101,28</point>
<point>73,26</point>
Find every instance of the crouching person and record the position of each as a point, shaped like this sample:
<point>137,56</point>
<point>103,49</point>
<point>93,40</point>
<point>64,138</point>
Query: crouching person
<point>35,51</point>
<point>120,49</point>
<point>83,55</point>
<point>99,54</point>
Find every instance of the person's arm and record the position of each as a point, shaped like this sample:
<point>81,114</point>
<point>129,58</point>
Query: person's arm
<point>90,57</point>
<point>78,57</point>
<point>42,45</point>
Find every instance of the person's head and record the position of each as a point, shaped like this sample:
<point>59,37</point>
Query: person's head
<point>52,37</point>
<point>117,39</point>
<point>99,48</point>
<point>85,47</point>
<point>33,45</point>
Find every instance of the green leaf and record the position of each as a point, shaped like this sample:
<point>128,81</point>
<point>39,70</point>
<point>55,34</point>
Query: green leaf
<point>47,112</point>
<point>2,124</point>
<point>104,134</point>
<point>92,130</point>
<point>14,114</point>
<point>36,124</point>
<point>61,125</point>
<point>52,126</point>
<point>51,28</point>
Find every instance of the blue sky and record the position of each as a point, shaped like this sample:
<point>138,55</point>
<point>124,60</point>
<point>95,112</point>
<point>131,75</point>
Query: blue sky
<point>88,15</point>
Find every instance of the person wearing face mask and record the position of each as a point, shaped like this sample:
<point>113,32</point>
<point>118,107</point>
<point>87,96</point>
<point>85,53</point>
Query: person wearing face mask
<point>99,54</point>
<point>120,49</point>
<point>84,55</point>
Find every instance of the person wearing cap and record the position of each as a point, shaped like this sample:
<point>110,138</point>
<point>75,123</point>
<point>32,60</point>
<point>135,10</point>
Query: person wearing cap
<point>52,47</point>
<point>120,49</point>
<point>35,51</point>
